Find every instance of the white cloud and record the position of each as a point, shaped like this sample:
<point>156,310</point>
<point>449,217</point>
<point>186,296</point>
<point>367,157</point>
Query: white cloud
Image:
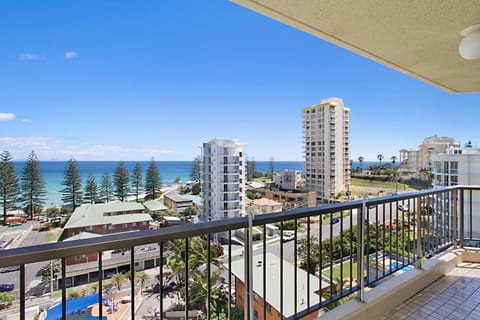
<point>70,55</point>
<point>26,120</point>
<point>6,116</point>
<point>31,142</point>
<point>28,56</point>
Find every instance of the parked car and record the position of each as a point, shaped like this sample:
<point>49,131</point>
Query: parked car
<point>4,287</point>
<point>402,207</point>
<point>15,220</point>
<point>288,235</point>
<point>335,220</point>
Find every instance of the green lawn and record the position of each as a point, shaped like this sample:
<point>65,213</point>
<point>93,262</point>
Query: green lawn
<point>380,184</point>
<point>52,235</point>
<point>346,271</point>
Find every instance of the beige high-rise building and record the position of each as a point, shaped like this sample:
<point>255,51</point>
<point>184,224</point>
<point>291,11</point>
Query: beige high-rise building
<point>416,160</point>
<point>326,148</point>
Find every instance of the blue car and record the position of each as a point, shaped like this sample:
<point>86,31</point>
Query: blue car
<point>335,220</point>
<point>4,287</point>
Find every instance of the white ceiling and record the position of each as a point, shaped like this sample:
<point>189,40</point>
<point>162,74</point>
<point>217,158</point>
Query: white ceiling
<point>417,37</point>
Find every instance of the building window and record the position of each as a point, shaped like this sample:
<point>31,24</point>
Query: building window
<point>80,257</point>
<point>111,227</point>
<point>134,224</point>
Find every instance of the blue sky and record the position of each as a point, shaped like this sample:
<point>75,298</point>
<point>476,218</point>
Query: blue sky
<point>123,80</point>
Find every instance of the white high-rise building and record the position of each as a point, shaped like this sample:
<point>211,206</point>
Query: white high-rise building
<point>326,148</point>
<point>460,166</point>
<point>223,180</point>
<point>457,166</point>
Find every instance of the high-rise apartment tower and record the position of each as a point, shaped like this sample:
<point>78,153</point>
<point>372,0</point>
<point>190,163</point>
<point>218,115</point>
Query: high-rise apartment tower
<point>223,180</point>
<point>326,148</point>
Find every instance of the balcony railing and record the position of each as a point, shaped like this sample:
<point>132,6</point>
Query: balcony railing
<point>329,254</point>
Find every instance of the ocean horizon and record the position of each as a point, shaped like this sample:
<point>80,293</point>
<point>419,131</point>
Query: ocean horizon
<point>53,172</point>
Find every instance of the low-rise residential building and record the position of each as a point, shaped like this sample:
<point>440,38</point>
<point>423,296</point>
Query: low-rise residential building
<point>289,200</point>
<point>263,205</point>
<point>272,297</point>
<point>288,179</point>
<point>155,206</point>
<point>415,160</point>
<point>175,201</point>
<point>107,218</point>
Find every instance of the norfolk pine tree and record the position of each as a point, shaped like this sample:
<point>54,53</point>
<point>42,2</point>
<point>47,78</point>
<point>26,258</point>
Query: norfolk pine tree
<point>91,188</point>
<point>8,183</point>
<point>196,168</point>
<point>72,181</point>
<point>106,187</point>
<point>121,181</point>
<point>153,181</point>
<point>33,186</point>
<point>137,180</point>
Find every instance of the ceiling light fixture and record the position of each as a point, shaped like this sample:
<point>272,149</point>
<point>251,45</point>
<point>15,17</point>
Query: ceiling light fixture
<point>469,47</point>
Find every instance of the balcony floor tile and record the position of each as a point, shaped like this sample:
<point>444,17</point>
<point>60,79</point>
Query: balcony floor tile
<point>454,296</point>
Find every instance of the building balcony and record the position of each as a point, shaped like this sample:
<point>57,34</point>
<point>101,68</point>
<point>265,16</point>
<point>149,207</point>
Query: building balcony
<point>399,245</point>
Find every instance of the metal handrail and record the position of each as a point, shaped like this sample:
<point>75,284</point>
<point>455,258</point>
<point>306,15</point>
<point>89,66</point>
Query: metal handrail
<point>450,205</point>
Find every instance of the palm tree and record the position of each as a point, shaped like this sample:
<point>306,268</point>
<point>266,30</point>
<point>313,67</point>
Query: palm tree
<point>380,158</point>
<point>118,280</point>
<point>142,277</point>
<point>360,159</point>
<point>394,159</point>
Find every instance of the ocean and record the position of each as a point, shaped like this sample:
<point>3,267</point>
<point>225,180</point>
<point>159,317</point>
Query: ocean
<point>54,171</point>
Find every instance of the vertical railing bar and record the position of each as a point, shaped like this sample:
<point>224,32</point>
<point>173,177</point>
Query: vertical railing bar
<point>366,231</point>
<point>281,271</point>
<point>22,292</point>
<point>320,259</point>
<point>383,238</point>
<point>454,214</point>
<point>390,233</point>
<point>462,222</point>
<point>447,209</point>
<point>264,270</point>
<point>341,252</point>
<point>249,268</point>
<point>351,248</point>
<point>160,280</point>
<point>331,256</point>
<point>438,228</point>
<point>295,274</point>
<point>132,282</point>
<point>403,232</point>
<point>229,274</point>
<point>187,300</point>
<point>361,252</point>
<point>209,276</point>
<point>397,228</point>
<point>100,285</point>
<point>64,289</point>
<point>308,262</point>
<point>419,235</point>
<point>376,241</point>
<point>471,215</point>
